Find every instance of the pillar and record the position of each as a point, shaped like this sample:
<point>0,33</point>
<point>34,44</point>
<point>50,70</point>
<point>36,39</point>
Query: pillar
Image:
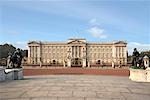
<point>69,63</point>
<point>114,54</point>
<point>78,52</point>
<point>29,54</point>
<point>74,51</point>
<point>84,57</point>
<point>84,63</point>
<point>125,55</point>
<point>69,56</point>
<point>64,63</point>
<point>32,54</point>
<point>88,63</point>
<point>113,66</point>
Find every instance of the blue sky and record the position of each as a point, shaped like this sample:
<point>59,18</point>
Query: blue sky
<point>58,20</point>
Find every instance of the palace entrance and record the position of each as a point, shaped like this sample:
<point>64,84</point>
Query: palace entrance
<point>76,62</point>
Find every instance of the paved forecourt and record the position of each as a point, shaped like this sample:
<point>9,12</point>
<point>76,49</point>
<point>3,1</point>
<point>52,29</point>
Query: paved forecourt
<point>74,87</point>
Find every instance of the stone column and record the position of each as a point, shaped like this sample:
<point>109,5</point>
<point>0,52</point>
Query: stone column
<point>88,63</point>
<point>32,54</point>
<point>114,54</point>
<point>69,57</point>
<point>113,66</point>
<point>29,56</point>
<point>73,51</point>
<point>78,51</point>
<point>120,52</point>
<point>69,63</point>
<point>84,57</point>
<point>38,55</point>
<point>117,55</point>
<point>84,63</point>
<point>64,63</point>
<point>29,52</point>
<point>125,55</point>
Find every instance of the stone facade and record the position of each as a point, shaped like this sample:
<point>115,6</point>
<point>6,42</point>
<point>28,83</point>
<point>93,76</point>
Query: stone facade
<point>77,52</point>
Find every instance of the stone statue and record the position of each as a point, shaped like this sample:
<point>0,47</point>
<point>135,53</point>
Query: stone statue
<point>135,56</point>
<point>9,63</point>
<point>15,59</point>
<point>146,61</point>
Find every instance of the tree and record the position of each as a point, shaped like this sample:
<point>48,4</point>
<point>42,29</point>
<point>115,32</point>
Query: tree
<point>8,48</point>
<point>142,54</point>
<point>5,49</point>
<point>145,53</point>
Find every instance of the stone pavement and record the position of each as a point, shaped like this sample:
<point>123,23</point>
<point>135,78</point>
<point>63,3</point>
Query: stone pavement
<point>74,87</point>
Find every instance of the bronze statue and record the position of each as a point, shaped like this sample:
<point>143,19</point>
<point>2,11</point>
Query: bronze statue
<point>135,56</point>
<point>137,60</point>
<point>14,60</point>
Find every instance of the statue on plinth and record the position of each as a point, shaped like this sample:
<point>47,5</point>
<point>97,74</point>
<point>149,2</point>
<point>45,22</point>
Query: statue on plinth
<point>14,60</point>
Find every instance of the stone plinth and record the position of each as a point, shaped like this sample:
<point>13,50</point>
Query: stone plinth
<point>2,74</point>
<point>148,74</point>
<point>18,73</point>
<point>140,75</point>
<point>9,74</point>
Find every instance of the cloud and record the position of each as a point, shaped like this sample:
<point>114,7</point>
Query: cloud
<point>140,47</point>
<point>12,32</point>
<point>97,32</point>
<point>94,22</point>
<point>20,44</point>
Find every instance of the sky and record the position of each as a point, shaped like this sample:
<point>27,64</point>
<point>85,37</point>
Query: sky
<point>22,21</point>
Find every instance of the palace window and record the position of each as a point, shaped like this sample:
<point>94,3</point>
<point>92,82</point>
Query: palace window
<point>99,61</point>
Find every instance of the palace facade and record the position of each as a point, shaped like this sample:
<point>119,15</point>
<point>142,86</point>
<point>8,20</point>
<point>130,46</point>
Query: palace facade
<point>77,52</point>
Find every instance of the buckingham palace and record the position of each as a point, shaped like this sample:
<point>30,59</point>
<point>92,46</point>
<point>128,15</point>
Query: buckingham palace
<point>77,53</point>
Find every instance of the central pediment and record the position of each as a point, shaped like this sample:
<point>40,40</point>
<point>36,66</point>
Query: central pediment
<point>121,42</point>
<point>76,41</point>
<point>34,42</point>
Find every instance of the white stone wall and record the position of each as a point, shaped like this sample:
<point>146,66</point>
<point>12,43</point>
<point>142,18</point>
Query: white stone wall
<point>92,52</point>
<point>100,52</point>
<point>140,75</point>
<point>54,52</point>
